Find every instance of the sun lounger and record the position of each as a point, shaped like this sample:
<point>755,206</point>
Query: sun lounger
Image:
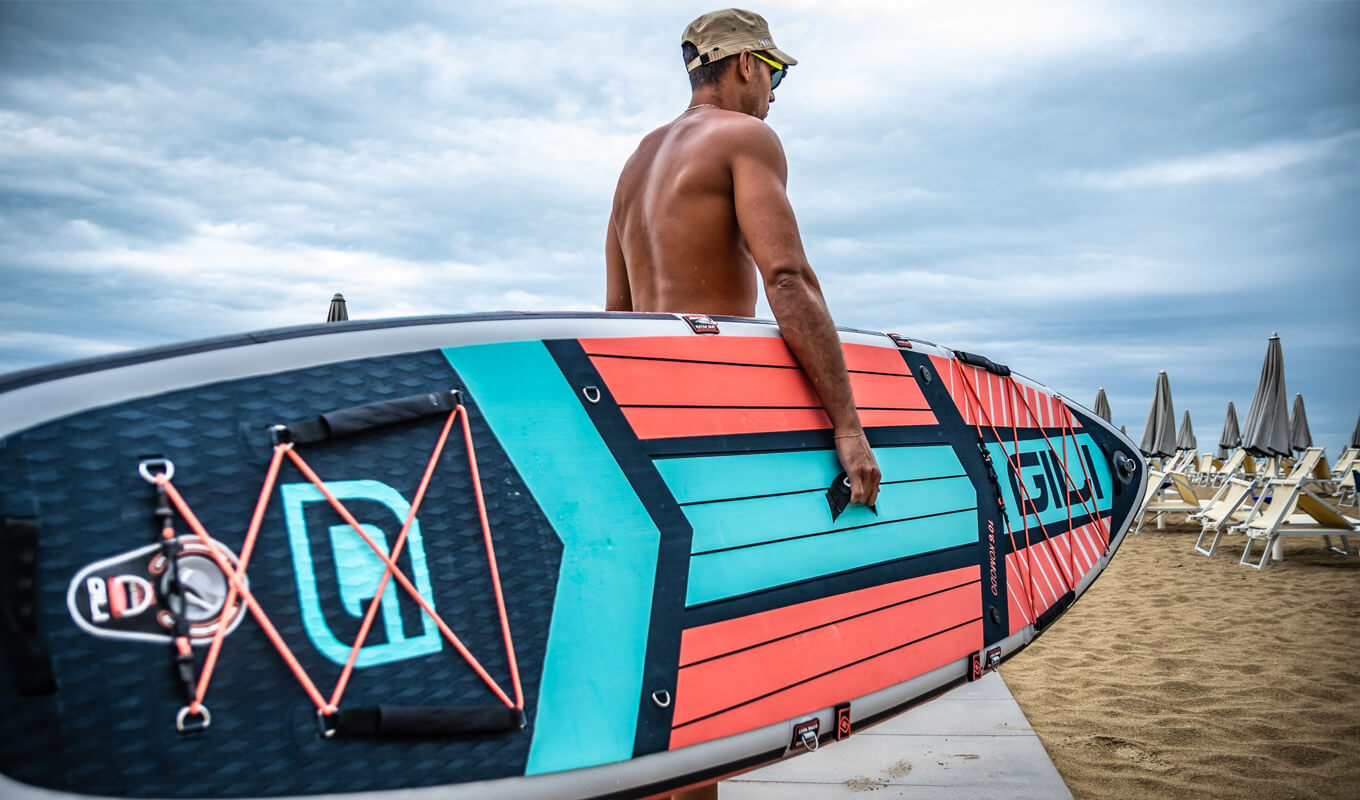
<point>1348,461</point>
<point>1345,491</point>
<point>1232,505</point>
<point>1295,511</point>
<point>1312,468</point>
<point>1239,465</point>
<point>1167,493</point>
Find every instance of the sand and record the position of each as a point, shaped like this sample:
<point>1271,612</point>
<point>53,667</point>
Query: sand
<point>1178,675</point>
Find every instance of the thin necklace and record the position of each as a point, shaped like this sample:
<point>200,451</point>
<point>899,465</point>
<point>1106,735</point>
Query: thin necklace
<point>699,105</point>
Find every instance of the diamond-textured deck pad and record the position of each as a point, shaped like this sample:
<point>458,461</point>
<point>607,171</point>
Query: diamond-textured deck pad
<point>110,728</point>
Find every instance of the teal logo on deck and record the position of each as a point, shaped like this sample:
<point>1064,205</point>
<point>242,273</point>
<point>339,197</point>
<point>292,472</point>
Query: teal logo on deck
<point>1046,489</point>
<point>358,571</point>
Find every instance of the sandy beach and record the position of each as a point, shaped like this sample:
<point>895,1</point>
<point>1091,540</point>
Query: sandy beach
<point>1179,675</point>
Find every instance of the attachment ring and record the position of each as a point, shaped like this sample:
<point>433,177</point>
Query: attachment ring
<point>144,469</point>
<point>662,698</point>
<point>184,725</point>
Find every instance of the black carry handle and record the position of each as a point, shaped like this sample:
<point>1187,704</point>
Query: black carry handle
<point>427,722</point>
<point>28,657</point>
<point>357,419</point>
<point>973,359</point>
<point>1051,615</point>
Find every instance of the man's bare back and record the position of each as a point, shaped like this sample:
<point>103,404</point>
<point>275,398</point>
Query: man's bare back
<point>701,218</point>
<point>677,184</point>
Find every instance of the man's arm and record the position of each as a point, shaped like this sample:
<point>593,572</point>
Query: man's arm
<point>765,216</point>
<point>618,296</point>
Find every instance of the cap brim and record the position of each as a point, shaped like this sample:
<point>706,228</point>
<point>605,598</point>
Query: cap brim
<point>782,57</point>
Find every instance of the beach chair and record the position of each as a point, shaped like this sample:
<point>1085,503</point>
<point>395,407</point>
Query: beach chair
<point>1341,473</point>
<point>1312,467</point>
<point>1239,465</point>
<point>1167,493</point>
<point>1295,511</point>
<point>1206,468</point>
<point>1345,490</point>
<point>1348,461</point>
<point>1231,505</point>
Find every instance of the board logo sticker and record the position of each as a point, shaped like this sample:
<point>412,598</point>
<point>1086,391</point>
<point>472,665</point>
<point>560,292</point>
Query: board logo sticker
<point>842,721</point>
<point>127,596</point>
<point>357,573</point>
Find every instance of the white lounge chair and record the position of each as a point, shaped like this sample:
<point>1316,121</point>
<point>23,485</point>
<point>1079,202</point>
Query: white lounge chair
<point>1239,465</point>
<point>1295,511</point>
<point>1232,505</point>
<point>1167,493</point>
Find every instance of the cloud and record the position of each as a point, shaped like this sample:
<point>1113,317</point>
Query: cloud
<point>1090,191</point>
<point>1241,165</point>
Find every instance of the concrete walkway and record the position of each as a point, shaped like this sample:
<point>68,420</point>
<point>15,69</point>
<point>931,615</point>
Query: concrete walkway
<point>972,743</point>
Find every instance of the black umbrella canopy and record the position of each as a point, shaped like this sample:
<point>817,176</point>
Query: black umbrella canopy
<point>1300,438</point>
<point>1266,431</point>
<point>337,312</point>
<point>1185,439</point>
<point>1231,438</point>
<point>1159,435</point>
<point>1102,404</point>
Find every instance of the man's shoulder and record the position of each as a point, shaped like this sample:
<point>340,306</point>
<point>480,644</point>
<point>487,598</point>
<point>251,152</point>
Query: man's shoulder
<point>735,133</point>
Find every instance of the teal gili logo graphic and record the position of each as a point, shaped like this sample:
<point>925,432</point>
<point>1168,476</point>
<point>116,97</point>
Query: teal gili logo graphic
<point>358,570</point>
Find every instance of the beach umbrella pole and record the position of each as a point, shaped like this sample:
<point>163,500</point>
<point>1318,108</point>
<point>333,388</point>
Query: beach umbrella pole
<point>1276,549</point>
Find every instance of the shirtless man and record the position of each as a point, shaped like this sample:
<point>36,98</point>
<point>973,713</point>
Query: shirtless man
<point>701,217</point>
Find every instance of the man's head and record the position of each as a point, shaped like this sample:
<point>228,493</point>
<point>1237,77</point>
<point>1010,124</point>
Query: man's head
<point>710,42</point>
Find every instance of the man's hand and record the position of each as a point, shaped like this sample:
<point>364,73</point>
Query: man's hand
<point>861,467</point>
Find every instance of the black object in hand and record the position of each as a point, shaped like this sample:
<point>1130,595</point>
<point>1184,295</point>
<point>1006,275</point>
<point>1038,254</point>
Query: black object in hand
<point>838,496</point>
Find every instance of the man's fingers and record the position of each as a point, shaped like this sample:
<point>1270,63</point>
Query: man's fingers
<point>857,493</point>
<point>864,487</point>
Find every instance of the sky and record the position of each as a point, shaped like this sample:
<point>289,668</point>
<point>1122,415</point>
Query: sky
<point>1089,192</point>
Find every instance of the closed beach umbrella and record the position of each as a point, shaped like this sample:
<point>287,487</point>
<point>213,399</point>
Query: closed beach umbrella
<point>1300,438</point>
<point>1102,405</point>
<point>1185,439</point>
<point>1231,438</point>
<point>1159,435</point>
<point>1355,434</point>
<point>1266,432</point>
<point>337,312</point>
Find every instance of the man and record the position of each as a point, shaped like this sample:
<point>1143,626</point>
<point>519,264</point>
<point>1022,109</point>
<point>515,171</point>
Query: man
<point>701,216</point>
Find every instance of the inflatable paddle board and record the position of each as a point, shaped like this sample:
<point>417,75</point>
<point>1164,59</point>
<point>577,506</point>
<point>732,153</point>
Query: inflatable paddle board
<point>514,555</point>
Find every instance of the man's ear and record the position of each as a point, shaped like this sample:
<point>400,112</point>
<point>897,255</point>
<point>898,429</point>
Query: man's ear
<point>745,62</point>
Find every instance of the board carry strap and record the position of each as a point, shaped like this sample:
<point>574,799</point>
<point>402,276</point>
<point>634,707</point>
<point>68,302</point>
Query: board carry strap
<point>982,362</point>
<point>421,721</point>
<point>28,657</point>
<point>358,419</point>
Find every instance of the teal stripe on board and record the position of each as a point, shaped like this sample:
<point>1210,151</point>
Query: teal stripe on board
<point>597,640</point>
<point>734,523</point>
<point>705,478</point>
<point>735,572</point>
<point>1041,472</point>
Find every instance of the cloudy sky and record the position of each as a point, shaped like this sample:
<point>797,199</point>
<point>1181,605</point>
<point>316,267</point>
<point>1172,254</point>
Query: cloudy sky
<point>1089,191</point>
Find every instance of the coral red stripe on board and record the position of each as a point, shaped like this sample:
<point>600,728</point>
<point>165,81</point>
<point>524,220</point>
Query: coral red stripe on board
<point>728,681</point>
<point>643,382</point>
<point>852,681</point>
<point>661,423</point>
<point>1015,605</point>
<point>719,638</point>
<point>753,350</point>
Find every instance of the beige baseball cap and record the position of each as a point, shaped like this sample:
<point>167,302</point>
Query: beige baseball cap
<point>719,34</point>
